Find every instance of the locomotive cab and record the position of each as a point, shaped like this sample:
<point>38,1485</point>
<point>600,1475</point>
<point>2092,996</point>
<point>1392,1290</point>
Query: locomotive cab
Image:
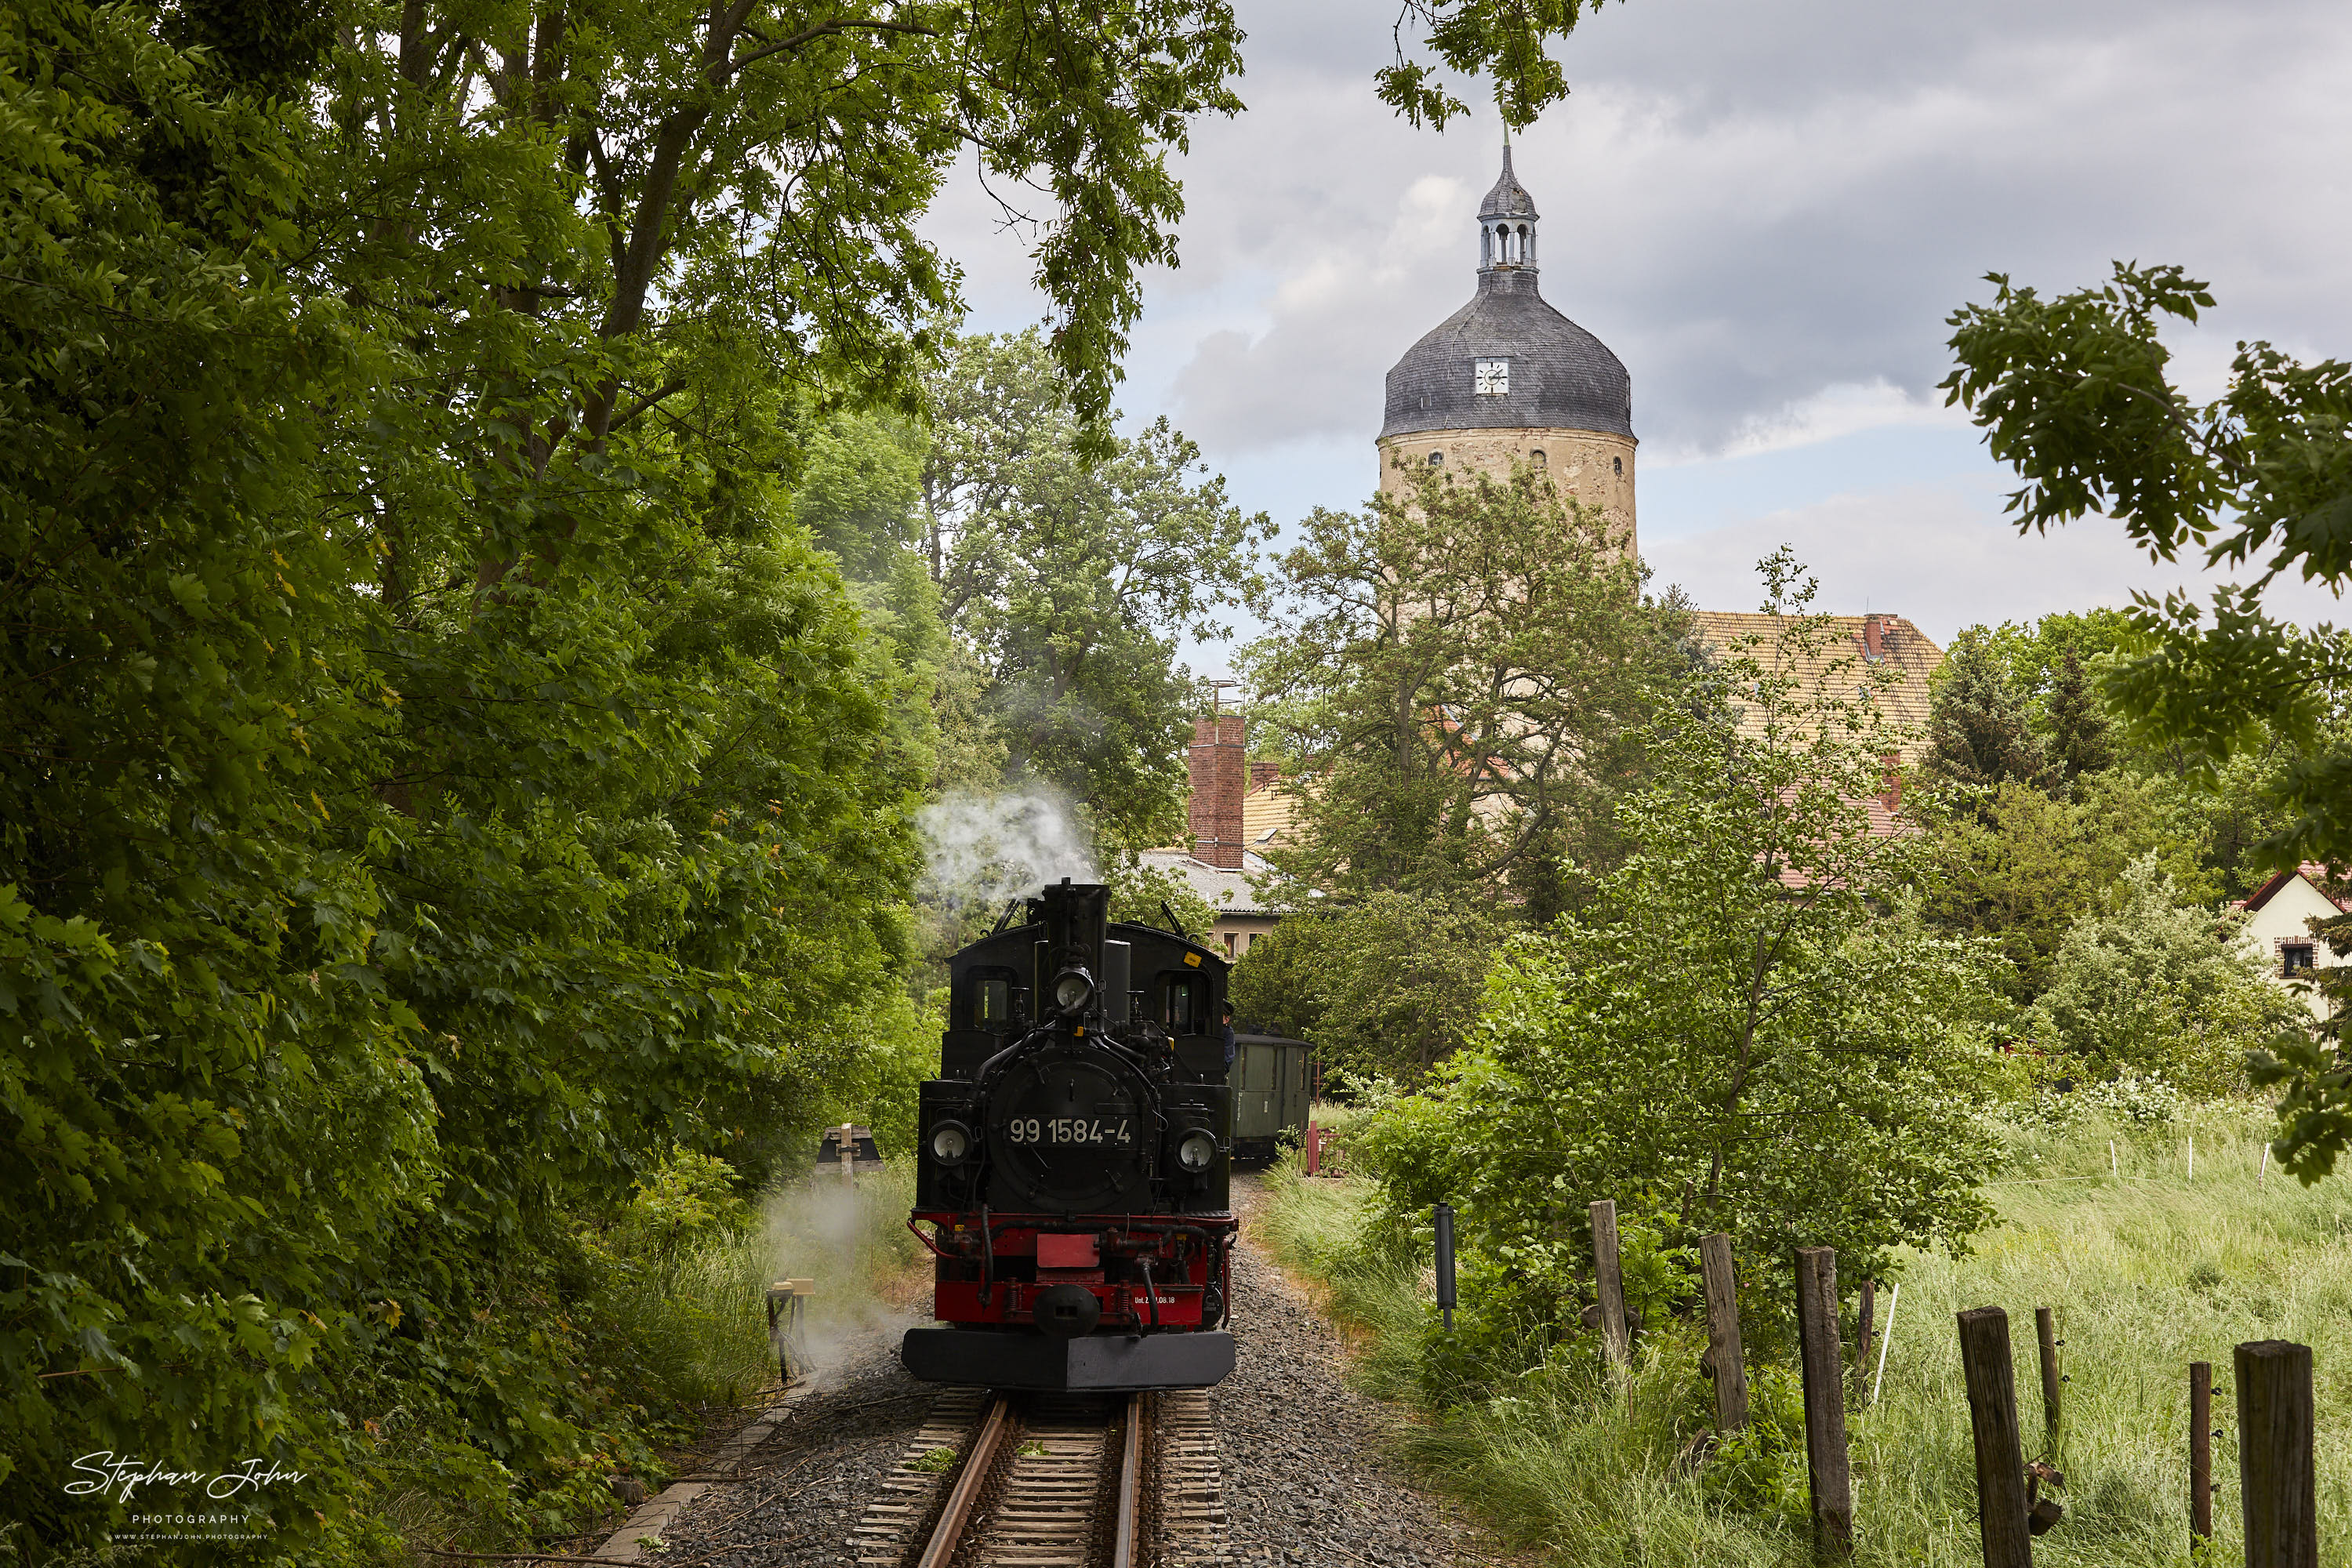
<point>1075,1160</point>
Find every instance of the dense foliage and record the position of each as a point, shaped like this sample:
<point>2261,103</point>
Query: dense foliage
<point>1073,574</point>
<point>2075,393</point>
<point>468,673</point>
<point>1465,669</point>
<point>1385,986</point>
<point>1745,1030</point>
<point>2147,986</point>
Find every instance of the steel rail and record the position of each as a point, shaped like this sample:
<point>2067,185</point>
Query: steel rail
<point>1123,1542</point>
<point>956,1511</point>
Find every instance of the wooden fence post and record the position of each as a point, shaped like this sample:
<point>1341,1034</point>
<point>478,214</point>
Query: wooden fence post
<point>1609,1284</point>
<point>2200,1452</point>
<point>1723,1334</point>
<point>1826,1459</point>
<point>2000,1457</point>
<point>1865,1309</point>
<point>2277,1485</point>
<point>2045,1329</point>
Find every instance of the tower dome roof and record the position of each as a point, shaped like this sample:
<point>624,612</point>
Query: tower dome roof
<point>1507,360</point>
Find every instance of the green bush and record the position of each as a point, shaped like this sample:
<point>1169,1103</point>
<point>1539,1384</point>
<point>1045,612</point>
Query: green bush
<point>2150,987</point>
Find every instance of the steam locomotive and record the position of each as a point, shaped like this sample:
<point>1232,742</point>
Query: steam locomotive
<point>1075,1163</point>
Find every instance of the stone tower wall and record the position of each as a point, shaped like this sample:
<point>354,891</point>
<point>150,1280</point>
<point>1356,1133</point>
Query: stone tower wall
<point>1590,467</point>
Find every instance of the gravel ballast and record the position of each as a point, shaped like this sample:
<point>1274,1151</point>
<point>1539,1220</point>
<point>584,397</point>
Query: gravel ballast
<point>1309,1478</point>
<point>813,1479</point>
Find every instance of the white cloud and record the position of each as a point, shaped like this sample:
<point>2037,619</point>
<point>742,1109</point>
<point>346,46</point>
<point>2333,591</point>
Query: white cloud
<point>1846,409</point>
<point>1768,212</point>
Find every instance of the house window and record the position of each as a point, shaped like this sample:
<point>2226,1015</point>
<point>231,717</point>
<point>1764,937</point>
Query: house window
<point>1229,944</point>
<point>1437,459</point>
<point>1537,456</point>
<point>1252,940</point>
<point>1493,378</point>
<point>2294,958</point>
<point>1617,467</point>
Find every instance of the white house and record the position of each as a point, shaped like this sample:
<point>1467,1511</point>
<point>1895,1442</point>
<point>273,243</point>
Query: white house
<point>2278,917</point>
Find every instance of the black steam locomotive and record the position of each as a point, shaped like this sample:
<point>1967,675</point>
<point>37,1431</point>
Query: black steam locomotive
<point>1075,1163</point>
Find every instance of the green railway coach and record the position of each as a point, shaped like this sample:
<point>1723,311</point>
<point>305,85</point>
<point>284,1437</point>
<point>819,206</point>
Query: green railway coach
<point>1270,1091</point>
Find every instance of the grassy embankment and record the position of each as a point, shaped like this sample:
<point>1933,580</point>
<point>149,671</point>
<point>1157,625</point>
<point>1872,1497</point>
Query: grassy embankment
<point>679,1329</point>
<point>2147,1273</point>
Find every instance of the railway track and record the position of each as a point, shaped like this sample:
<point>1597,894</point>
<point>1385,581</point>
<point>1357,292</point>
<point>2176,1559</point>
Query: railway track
<point>1053,1482</point>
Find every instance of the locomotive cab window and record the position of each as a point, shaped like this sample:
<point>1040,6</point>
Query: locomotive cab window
<point>992,999</point>
<point>1186,999</point>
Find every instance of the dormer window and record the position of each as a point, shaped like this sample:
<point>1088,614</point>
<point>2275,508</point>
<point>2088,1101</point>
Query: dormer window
<point>1493,378</point>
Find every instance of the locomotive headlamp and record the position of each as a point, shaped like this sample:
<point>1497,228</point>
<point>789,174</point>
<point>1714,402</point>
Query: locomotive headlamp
<point>1072,989</point>
<point>950,1142</point>
<point>1196,1151</point>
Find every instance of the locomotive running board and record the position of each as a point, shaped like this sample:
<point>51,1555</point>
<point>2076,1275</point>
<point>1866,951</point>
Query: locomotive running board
<point>1107,1363</point>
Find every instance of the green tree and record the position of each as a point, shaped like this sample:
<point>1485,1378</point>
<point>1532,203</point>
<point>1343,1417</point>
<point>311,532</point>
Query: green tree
<point>1277,985</point>
<point>1468,665</point>
<point>1385,987</point>
<point>2080,738</point>
<point>2073,392</point>
<point>213,1123</point>
<point>1073,572</point>
<point>2149,985</point>
<point>2019,865</point>
<point>1745,1030</point>
<point>1977,733</point>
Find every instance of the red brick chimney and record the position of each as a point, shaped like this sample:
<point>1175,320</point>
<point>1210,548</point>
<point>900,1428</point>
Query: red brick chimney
<point>1873,635</point>
<point>1264,773</point>
<point>1890,791</point>
<point>1220,771</point>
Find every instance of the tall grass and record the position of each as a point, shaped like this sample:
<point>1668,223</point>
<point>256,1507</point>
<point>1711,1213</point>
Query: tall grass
<point>2147,1269</point>
<point>696,1320</point>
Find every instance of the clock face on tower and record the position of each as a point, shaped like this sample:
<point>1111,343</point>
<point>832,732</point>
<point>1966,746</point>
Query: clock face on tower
<point>1493,378</point>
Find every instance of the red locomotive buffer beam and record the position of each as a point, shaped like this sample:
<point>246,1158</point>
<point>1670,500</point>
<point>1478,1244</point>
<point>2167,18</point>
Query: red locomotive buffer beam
<point>1113,1301</point>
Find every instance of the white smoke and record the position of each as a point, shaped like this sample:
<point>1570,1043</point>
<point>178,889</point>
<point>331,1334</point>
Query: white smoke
<point>847,1238</point>
<point>990,848</point>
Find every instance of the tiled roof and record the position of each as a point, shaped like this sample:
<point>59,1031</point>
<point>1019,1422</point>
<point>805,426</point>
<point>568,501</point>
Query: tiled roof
<point>1268,813</point>
<point>1227,893</point>
<point>1903,647</point>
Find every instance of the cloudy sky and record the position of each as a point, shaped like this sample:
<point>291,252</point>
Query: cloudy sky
<point>1766,211</point>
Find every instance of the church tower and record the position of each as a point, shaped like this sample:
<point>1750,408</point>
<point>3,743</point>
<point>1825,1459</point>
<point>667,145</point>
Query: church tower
<point>1508,378</point>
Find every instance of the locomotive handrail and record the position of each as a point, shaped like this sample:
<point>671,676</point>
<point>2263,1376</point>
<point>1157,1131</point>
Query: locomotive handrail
<point>936,1250</point>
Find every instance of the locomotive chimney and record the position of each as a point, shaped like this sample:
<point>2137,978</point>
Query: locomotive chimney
<point>1219,764</point>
